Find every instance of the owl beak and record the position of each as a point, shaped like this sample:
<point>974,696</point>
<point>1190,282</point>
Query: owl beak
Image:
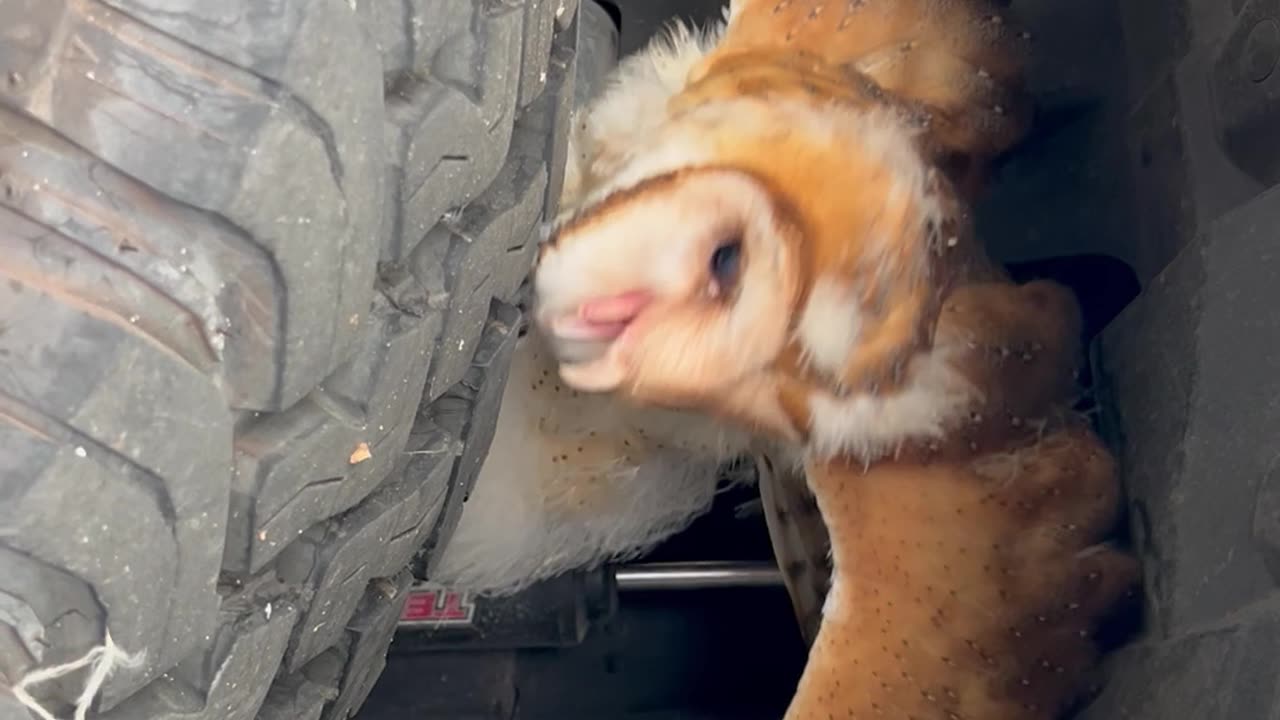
<point>622,308</point>
<point>585,339</point>
<point>604,318</point>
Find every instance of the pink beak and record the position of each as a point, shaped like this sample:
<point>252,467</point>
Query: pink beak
<point>603,318</point>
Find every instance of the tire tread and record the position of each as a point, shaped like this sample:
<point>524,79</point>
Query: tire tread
<point>233,263</point>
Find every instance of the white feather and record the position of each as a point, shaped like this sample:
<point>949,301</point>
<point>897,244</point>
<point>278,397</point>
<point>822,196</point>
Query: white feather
<point>632,105</point>
<point>577,479</point>
<point>871,426</point>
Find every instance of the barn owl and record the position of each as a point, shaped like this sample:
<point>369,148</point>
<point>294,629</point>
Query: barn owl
<point>919,64</point>
<point>786,247</point>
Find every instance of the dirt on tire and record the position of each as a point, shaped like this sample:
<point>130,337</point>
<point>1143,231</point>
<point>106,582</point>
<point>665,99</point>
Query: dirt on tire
<point>259,270</point>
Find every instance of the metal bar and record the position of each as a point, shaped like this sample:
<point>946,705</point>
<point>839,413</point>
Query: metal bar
<point>696,575</point>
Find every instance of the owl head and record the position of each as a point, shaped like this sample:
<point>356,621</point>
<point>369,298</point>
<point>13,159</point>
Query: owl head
<point>755,247</point>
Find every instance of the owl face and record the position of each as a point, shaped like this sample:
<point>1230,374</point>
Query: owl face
<point>758,254</point>
<point>676,288</point>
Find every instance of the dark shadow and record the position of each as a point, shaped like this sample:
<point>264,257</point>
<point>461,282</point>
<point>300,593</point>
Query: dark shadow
<point>614,12</point>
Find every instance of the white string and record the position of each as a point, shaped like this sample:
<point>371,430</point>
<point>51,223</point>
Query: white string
<point>101,660</point>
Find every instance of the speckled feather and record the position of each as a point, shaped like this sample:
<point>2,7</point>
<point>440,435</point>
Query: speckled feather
<point>965,590</point>
<point>969,575</point>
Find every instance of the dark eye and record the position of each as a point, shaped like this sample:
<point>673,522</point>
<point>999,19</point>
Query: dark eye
<point>725,262</point>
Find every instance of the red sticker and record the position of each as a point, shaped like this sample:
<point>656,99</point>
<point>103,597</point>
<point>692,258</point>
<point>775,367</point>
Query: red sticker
<point>434,605</point>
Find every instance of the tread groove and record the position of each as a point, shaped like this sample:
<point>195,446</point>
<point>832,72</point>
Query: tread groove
<point>124,467</point>
<point>288,503</point>
<point>172,178</point>
<point>407,533</point>
<point>343,409</point>
<point>411,46</point>
<point>107,311</point>
<point>98,612</point>
<point>158,112</point>
<point>17,123</point>
<point>283,97</point>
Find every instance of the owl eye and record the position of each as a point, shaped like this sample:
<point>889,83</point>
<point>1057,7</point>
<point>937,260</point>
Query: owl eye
<point>725,262</point>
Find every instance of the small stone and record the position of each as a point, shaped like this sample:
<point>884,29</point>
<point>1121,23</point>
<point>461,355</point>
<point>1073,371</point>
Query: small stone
<point>360,454</point>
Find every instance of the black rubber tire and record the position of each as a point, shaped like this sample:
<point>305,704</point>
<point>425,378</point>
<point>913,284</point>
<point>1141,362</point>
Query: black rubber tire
<point>258,268</point>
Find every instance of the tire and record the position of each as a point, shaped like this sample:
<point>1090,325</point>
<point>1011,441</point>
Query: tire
<point>1189,369</point>
<point>597,52</point>
<point>259,262</point>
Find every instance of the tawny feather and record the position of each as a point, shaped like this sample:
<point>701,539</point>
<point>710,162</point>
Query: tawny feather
<point>969,574</point>
<point>958,63</point>
<point>965,589</point>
